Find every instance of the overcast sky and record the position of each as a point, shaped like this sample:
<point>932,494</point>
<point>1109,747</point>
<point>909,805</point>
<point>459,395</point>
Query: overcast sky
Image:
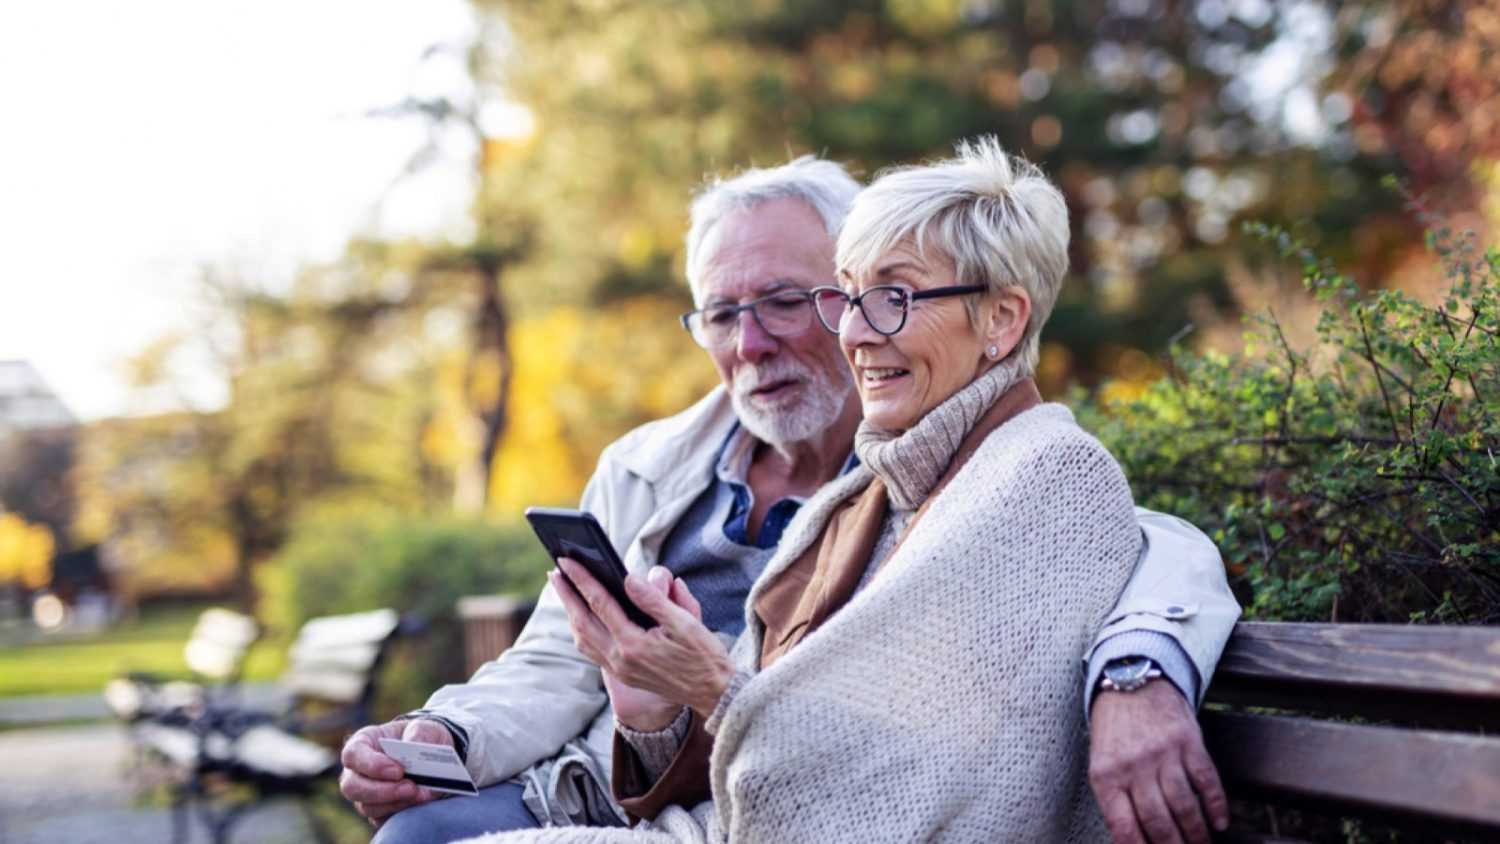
<point>143,140</point>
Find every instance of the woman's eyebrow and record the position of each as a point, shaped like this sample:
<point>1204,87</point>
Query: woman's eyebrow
<point>900,265</point>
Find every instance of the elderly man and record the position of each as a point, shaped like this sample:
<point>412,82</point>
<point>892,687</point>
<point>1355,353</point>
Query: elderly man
<point>707,493</point>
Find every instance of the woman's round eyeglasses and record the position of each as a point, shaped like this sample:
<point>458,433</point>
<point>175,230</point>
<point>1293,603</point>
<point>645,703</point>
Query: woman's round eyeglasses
<point>885,307</point>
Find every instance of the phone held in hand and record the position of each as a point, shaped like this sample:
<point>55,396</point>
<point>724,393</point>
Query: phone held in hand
<point>579,536</point>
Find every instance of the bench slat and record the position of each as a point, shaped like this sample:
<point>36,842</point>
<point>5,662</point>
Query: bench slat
<point>339,630</point>
<point>1444,675</point>
<point>1446,777</point>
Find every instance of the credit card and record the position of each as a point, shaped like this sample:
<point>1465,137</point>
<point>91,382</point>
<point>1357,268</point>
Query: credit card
<point>434,766</point>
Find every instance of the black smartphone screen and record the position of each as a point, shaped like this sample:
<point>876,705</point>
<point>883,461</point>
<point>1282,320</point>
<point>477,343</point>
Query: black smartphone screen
<point>576,534</point>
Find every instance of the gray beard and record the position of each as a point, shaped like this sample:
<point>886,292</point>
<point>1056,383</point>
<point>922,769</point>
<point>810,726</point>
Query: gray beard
<point>824,395</point>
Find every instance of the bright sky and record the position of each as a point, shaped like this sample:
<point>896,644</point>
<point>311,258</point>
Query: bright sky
<point>145,140</point>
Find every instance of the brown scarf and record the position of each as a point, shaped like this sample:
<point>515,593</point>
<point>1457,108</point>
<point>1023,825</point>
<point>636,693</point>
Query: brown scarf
<point>825,576</point>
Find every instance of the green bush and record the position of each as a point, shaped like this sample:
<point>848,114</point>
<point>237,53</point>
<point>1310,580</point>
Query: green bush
<point>1358,480</point>
<point>422,566</point>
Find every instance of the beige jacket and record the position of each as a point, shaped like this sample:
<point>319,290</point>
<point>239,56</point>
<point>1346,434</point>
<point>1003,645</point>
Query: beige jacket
<point>540,709</point>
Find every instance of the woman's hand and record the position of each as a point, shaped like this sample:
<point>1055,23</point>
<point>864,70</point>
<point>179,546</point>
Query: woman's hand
<point>679,661</point>
<point>638,709</point>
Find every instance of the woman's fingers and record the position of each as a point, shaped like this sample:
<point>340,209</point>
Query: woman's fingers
<point>683,597</point>
<point>592,638</point>
<point>658,605</point>
<point>603,605</point>
<point>661,578</point>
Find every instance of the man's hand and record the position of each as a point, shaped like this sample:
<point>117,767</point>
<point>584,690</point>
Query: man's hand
<point>1149,769</point>
<point>680,660</point>
<point>373,781</point>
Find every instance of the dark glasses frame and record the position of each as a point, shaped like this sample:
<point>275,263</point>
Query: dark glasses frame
<point>909,296</point>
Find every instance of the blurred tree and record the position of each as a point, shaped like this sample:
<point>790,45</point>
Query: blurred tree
<point>1166,124</point>
<point>34,483</point>
<point>583,378</point>
<point>25,553</point>
<point>329,395</point>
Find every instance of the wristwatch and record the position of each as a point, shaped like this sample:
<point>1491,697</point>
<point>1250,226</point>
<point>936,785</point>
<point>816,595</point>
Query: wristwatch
<point>1129,673</point>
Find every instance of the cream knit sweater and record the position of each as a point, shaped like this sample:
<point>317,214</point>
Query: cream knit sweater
<point>943,702</point>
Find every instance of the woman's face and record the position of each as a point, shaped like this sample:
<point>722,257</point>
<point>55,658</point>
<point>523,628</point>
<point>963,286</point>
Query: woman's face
<point>938,352</point>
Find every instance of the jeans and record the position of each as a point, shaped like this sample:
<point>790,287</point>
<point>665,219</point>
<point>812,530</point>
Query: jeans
<point>496,809</point>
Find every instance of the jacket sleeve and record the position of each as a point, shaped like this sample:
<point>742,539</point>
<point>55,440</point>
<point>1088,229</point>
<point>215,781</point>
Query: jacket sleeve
<point>1179,589</point>
<point>541,693</point>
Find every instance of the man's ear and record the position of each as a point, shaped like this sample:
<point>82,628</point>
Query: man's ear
<point>1004,316</point>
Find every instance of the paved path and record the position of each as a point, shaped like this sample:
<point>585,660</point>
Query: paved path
<point>67,785</point>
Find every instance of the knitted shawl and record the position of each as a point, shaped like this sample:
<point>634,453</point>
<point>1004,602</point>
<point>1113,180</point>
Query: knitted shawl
<point>944,701</point>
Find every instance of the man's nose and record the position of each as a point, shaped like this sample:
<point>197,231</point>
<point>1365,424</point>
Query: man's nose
<point>755,343</point>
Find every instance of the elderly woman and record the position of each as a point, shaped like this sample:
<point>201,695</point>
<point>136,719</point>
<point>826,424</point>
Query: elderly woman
<point>905,672</point>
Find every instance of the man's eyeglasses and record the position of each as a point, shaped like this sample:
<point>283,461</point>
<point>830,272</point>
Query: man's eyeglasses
<point>781,314</point>
<point>885,307</point>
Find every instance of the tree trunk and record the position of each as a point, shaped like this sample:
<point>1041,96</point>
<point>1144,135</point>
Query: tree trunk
<point>487,384</point>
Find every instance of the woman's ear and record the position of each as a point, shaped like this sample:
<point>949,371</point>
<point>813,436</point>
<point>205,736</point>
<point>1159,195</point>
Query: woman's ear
<point>1005,314</point>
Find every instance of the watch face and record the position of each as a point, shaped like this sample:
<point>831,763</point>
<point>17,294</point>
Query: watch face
<point>1127,672</point>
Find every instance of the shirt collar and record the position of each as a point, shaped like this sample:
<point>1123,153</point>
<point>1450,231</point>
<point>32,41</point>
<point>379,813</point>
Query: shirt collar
<point>733,463</point>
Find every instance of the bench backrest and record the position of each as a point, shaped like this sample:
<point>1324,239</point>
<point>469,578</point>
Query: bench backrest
<point>335,659</point>
<point>1435,755</point>
<point>219,643</point>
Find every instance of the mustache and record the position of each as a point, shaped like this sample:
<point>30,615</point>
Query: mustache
<point>749,379</point>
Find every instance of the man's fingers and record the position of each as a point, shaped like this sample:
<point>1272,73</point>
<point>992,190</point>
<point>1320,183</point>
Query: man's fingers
<point>1183,803</point>
<point>1153,815</point>
<point>603,605</point>
<point>426,732</point>
<point>1119,816</point>
<point>362,755</point>
<point>361,789</point>
<point>378,812</point>
<point>1205,778</point>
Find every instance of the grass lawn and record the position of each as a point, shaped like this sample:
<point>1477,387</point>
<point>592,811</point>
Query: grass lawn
<point>153,643</point>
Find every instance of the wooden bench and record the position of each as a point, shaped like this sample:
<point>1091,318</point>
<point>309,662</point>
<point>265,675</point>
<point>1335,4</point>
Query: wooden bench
<point>215,654</point>
<point>1395,726</point>
<point>331,679</point>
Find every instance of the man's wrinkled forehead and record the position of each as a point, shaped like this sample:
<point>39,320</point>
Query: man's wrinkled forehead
<point>763,248</point>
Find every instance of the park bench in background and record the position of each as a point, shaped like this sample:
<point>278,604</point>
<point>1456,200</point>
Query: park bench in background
<point>215,654</point>
<point>330,680</point>
<point>491,623</point>
<point>1416,745</point>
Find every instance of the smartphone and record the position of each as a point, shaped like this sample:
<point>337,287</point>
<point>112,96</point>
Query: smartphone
<point>578,535</point>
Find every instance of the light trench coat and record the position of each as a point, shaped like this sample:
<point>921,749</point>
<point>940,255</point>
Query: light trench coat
<point>540,713</point>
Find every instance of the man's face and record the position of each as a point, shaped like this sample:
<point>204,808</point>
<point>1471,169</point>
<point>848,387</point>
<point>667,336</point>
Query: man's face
<point>784,389</point>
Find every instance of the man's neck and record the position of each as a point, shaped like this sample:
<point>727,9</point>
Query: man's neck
<point>799,468</point>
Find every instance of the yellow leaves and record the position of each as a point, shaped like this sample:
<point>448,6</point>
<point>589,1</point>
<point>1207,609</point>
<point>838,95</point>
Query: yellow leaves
<point>925,17</point>
<point>582,379</point>
<point>637,246</point>
<point>25,552</point>
<point>1134,372</point>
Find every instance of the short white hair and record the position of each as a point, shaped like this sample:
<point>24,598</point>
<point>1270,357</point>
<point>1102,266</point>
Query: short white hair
<point>824,185</point>
<point>996,216</point>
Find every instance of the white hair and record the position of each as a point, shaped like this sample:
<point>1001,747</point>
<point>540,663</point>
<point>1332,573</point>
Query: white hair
<point>824,185</point>
<point>996,216</point>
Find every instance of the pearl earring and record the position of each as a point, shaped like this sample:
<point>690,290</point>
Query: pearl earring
<point>993,352</point>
